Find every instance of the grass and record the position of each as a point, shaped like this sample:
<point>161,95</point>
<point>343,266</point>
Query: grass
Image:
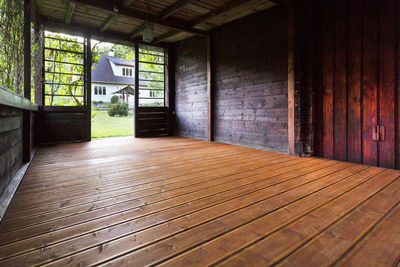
<point>106,126</point>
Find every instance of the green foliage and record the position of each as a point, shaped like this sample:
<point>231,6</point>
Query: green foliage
<point>114,99</point>
<point>12,44</point>
<point>64,89</point>
<point>118,109</point>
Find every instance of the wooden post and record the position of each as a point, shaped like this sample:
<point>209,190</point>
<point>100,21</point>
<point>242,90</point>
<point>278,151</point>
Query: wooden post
<point>27,81</point>
<point>210,93</point>
<point>170,89</point>
<point>291,80</point>
<point>88,67</point>
<point>136,88</point>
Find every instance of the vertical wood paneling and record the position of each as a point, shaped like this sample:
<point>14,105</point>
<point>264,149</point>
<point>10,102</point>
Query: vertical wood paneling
<point>364,90</point>
<point>340,80</point>
<point>370,80</point>
<point>354,81</point>
<point>387,57</point>
<point>398,91</point>
<point>328,70</point>
<point>307,94</point>
<point>317,84</point>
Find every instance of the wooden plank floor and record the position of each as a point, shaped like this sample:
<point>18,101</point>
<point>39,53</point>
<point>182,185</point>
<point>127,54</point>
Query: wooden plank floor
<point>181,202</point>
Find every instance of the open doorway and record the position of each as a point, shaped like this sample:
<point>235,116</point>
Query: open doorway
<point>112,91</point>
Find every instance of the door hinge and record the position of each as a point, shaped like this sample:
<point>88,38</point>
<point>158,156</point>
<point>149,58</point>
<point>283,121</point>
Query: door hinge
<point>375,134</point>
<point>378,133</point>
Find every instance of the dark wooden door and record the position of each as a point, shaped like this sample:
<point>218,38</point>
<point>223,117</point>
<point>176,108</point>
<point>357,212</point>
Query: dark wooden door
<point>359,63</point>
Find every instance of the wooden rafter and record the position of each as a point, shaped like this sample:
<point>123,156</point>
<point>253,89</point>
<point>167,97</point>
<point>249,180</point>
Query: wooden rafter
<point>225,8</point>
<point>107,22</point>
<point>137,31</point>
<point>94,32</point>
<point>165,36</point>
<point>69,12</point>
<point>108,7</point>
<point>174,8</point>
<point>127,3</point>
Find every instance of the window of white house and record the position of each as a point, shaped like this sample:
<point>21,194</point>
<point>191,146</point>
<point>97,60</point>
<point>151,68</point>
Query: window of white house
<point>152,93</point>
<point>96,90</point>
<point>104,90</point>
<point>127,72</point>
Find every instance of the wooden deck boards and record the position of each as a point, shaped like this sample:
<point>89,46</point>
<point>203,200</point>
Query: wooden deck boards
<point>179,202</point>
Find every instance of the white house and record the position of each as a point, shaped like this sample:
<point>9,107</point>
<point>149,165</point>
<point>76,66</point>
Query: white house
<point>111,74</point>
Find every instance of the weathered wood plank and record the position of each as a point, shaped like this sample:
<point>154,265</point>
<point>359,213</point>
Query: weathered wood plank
<point>340,81</point>
<point>370,82</point>
<point>327,61</point>
<point>354,119</point>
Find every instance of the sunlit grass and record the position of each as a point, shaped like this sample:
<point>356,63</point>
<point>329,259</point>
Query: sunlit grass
<point>106,126</point>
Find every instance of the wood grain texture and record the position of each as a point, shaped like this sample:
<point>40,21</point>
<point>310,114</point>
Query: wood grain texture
<point>328,76</point>
<point>359,62</point>
<point>179,201</point>
<point>250,81</point>
<point>370,82</point>
<point>11,143</point>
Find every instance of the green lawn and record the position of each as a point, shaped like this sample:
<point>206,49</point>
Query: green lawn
<point>106,126</point>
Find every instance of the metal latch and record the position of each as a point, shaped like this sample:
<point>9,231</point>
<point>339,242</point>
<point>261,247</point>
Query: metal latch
<point>378,133</point>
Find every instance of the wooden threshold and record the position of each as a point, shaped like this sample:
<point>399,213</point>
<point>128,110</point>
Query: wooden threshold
<point>179,202</point>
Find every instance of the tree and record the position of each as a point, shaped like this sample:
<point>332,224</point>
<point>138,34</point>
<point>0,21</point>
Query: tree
<point>114,99</point>
<point>12,44</point>
<point>64,71</point>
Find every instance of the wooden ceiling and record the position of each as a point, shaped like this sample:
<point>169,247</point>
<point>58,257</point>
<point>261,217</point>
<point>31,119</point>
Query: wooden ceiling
<point>174,20</point>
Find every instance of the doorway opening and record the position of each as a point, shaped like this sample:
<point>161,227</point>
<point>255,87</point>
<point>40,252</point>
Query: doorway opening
<point>112,90</point>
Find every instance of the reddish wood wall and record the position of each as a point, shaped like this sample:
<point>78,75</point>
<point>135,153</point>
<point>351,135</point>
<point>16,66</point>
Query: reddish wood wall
<point>353,66</point>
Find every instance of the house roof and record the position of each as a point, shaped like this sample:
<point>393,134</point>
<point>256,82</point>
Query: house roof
<point>121,61</point>
<point>103,72</point>
<point>126,90</point>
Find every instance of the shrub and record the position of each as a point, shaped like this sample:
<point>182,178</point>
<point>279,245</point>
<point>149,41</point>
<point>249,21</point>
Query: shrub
<point>114,99</point>
<point>118,109</point>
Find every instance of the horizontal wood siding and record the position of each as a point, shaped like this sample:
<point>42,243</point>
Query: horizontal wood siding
<point>152,121</point>
<point>10,144</point>
<point>250,74</point>
<point>191,88</point>
<point>62,127</point>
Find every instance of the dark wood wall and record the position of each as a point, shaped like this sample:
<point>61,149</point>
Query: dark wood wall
<point>62,125</point>
<point>11,144</point>
<point>350,65</point>
<point>249,82</point>
<point>191,118</point>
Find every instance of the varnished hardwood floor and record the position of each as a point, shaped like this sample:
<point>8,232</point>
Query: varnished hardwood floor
<point>181,202</point>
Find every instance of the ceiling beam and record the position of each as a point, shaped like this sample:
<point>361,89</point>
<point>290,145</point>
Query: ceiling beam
<point>165,36</point>
<point>78,29</point>
<point>69,12</point>
<point>107,22</point>
<point>225,8</point>
<point>108,7</point>
<point>174,8</point>
<point>137,31</point>
<point>127,3</point>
